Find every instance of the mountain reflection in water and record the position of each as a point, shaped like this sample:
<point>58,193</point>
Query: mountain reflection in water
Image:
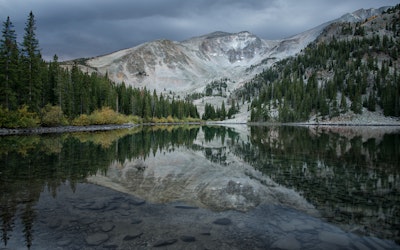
<point>351,177</point>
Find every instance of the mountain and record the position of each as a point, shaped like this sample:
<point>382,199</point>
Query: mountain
<point>349,74</point>
<point>191,66</point>
<point>187,66</point>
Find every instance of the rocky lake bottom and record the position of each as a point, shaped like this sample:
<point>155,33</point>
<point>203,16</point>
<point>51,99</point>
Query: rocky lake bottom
<point>95,217</point>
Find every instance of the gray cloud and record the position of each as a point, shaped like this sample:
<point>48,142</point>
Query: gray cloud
<point>76,28</point>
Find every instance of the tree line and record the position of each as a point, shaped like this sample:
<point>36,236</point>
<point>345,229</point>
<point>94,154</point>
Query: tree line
<point>35,92</point>
<point>220,113</point>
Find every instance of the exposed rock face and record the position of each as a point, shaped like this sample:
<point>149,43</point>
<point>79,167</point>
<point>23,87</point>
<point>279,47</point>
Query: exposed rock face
<point>189,65</point>
<point>236,47</point>
<point>362,14</point>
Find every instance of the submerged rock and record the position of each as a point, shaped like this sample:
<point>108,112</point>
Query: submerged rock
<point>96,239</point>
<point>132,237</point>
<point>223,221</point>
<point>107,227</point>
<point>188,238</point>
<point>166,242</point>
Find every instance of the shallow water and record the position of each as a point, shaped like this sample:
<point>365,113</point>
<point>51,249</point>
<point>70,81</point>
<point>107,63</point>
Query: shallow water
<point>202,187</point>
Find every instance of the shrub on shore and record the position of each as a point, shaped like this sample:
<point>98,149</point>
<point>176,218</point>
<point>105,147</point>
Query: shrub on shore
<point>52,116</point>
<point>100,117</point>
<point>20,118</point>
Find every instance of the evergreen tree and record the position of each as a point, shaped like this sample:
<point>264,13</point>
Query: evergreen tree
<point>356,105</point>
<point>154,104</point>
<point>31,60</point>
<point>371,102</point>
<point>209,112</point>
<point>343,103</point>
<point>233,109</point>
<point>223,111</point>
<point>8,66</point>
<point>51,87</point>
<point>146,105</point>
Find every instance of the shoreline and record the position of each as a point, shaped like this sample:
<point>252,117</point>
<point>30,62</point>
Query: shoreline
<point>344,124</point>
<point>63,129</point>
<point>107,127</point>
<point>321,124</point>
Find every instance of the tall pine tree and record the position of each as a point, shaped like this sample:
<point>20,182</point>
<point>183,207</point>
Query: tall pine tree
<point>52,88</point>
<point>31,64</point>
<point>8,66</point>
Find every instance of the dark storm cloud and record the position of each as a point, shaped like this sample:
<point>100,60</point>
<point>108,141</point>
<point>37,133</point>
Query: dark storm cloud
<point>76,28</point>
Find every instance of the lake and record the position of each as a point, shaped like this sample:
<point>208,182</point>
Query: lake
<point>202,187</point>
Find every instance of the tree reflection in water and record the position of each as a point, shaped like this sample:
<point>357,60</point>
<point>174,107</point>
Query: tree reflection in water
<point>353,179</point>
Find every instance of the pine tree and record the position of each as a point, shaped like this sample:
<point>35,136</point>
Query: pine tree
<point>8,66</point>
<point>371,102</point>
<point>31,60</point>
<point>209,112</point>
<point>154,104</point>
<point>146,106</point>
<point>356,105</point>
<point>223,111</point>
<point>233,109</point>
<point>51,88</point>
<point>343,103</point>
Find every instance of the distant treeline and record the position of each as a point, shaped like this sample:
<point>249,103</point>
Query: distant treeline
<point>35,92</point>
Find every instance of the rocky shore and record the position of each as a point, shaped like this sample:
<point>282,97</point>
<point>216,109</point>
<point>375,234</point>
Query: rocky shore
<point>62,129</point>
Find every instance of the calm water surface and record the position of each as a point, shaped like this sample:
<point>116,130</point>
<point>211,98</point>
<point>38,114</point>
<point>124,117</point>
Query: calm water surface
<point>350,175</point>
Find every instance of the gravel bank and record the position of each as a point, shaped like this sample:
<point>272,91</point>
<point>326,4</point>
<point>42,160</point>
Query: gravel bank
<point>62,129</point>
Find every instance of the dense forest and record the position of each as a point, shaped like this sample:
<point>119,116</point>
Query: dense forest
<point>34,92</point>
<point>356,67</point>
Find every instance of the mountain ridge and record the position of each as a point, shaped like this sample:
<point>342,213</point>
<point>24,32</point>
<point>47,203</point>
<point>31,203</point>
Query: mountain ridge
<point>163,64</point>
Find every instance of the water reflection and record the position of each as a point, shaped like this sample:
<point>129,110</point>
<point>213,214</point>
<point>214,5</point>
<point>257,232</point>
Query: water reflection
<point>204,173</point>
<point>352,177</point>
<point>30,164</point>
<point>217,141</point>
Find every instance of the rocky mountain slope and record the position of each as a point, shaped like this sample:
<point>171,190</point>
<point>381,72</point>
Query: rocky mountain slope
<point>187,66</point>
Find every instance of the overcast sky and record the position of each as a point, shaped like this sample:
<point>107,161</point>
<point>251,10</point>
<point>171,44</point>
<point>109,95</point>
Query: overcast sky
<point>86,28</point>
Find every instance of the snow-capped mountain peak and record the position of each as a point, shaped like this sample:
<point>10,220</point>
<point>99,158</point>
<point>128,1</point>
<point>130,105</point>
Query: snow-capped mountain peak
<point>187,67</point>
